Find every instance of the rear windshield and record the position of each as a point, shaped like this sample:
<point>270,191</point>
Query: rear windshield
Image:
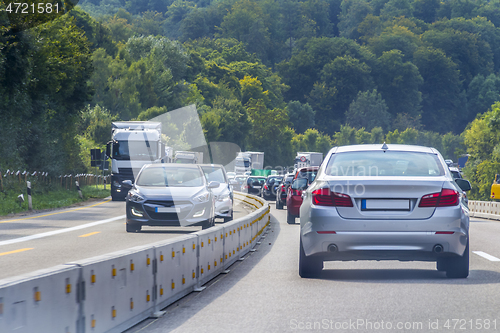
<point>380,163</point>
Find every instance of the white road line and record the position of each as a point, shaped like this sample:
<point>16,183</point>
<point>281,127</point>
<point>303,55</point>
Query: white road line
<point>486,256</point>
<point>56,232</point>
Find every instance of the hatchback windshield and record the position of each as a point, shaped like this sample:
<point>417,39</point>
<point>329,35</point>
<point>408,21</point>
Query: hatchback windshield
<point>170,177</point>
<point>380,163</point>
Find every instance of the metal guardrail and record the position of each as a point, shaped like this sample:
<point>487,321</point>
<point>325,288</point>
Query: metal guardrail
<point>113,292</point>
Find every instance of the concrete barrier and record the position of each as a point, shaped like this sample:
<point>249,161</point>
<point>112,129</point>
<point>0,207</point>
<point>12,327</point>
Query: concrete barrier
<point>113,292</point>
<point>484,209</point>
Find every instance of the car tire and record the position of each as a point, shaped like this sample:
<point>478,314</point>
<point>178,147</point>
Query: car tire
<point>279,205</point>
<point>133,227</point>
<point>309,267</point>
<point>290,219</point>
<point>458,267</point>
<point>441,265</point>
<point>208,224</point>
<point>229,218</point>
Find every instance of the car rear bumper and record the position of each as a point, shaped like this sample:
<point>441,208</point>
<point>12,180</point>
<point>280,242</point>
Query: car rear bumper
<point>365,239</point>
<point>373,245</point>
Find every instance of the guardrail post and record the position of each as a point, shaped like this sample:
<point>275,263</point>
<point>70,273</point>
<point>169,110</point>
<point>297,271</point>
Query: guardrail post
<point>28,184</point>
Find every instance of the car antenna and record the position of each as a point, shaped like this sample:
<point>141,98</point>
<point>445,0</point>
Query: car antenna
<point>384,147</point>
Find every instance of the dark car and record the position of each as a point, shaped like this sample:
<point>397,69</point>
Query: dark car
<point>170,195</point>
<point>253,185</point>
<point>282,190</point>
<point>303,178</point>
<point>270,187</point>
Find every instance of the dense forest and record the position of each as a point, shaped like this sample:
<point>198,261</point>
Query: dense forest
<point>274,76</point>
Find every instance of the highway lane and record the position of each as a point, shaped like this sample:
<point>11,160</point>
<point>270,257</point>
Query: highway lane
<point>264,293</point>
<point>47,239</point>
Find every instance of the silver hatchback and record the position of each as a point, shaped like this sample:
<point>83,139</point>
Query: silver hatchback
<point>385,202</point>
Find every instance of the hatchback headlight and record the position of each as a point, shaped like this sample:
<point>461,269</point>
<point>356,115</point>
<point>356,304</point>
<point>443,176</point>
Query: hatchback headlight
<point>223,196</point>
<point>134,196</point>
<point>202,197</point>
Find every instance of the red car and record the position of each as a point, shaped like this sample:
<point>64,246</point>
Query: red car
<point>303,178</point>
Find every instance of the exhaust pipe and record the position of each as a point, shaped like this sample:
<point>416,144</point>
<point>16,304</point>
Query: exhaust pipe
<point>332,248</point>
<point>438,248</point>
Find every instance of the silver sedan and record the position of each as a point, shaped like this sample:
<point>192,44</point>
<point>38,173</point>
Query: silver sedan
<point>385,202</point>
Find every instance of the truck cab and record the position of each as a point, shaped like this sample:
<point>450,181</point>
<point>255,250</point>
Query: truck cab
<point>133,145</point>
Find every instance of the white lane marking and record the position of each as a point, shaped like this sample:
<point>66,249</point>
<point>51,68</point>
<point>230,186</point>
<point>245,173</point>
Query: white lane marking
<point>56,232</point>
<point>486,255</point>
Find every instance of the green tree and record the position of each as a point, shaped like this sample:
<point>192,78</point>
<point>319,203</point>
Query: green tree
<point>398,82</point>
<point>441,91</point>
<point>300,115</point>
<point>367,111</point>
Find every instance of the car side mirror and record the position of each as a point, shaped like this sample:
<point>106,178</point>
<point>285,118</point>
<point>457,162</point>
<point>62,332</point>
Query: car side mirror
<point>128,182</point>
<point>213,184</point>
<point>463,184</point>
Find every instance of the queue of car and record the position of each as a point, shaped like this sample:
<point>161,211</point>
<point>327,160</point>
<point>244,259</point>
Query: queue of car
<point>365,202</point>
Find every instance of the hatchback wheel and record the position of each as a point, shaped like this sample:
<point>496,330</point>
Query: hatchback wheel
<point>458,267</point>
<point>290,219</point>
<point>133,227</point>
<point>309,267</point>
<point>229,218</point>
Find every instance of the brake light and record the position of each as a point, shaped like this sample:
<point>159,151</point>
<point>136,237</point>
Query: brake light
<point>324,197</point>
<point>447,197</point>
<point>265,187</point>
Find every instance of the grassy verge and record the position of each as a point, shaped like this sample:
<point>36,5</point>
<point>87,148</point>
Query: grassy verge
<point>48,197</point>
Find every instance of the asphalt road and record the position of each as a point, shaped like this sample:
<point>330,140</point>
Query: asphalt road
<point>264,293</point>
<point>47,239</point>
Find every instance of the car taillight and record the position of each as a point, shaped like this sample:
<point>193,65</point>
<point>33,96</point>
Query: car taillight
<point>447,197</point>
<point>283,189</point>
<point>265,187</point>
<point>325,197</point>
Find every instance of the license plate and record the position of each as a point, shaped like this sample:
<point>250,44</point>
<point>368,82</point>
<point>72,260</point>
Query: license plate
<point>257,186</point>
<point>167,210</point>
<point>384,204</point>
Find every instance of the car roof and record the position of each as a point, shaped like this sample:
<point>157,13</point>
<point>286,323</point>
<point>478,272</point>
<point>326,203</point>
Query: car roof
<point>378,147</point>
<point>172,165</point>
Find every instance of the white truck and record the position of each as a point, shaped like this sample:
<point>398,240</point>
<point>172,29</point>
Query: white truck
<point>191,157</point>
<point>307,159</point>
<point>247,161</point>
<point>133,144</point>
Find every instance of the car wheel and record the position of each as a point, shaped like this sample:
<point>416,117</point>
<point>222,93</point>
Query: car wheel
<point>290,219</point>
<point>441,265</point>
<point>309,267</point>
<point>133,227</point>
<point>229,218</point>
<point>208,224</point>
<point>458,267</point>
<point>279,205</point>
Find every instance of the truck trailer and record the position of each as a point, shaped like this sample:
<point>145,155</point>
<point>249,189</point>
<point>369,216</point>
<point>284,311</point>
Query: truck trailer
<point>190,157</point>
<point>248,161</point>
<point>307,159</point>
